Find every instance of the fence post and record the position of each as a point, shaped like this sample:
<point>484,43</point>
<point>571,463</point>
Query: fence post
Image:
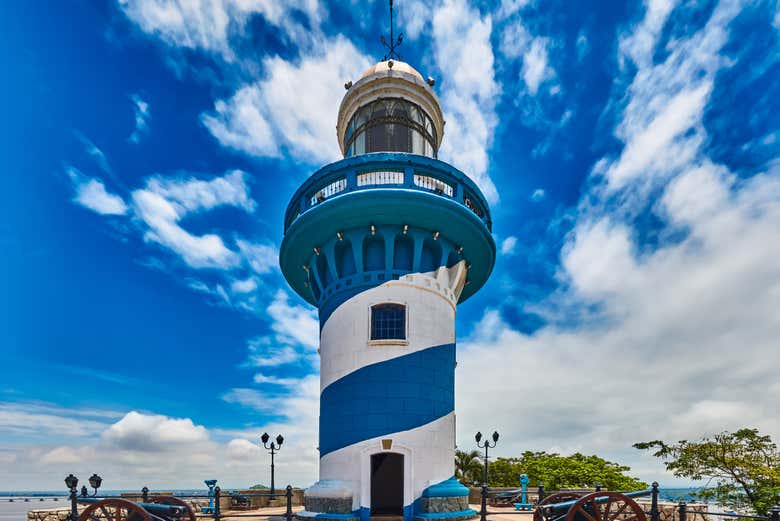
<point>775,515</point>
<point>145,494</point>
<point>74,507</point>
<point>288,514</point>
<point>217,491</point>
<point>655,515</point>
<point>682,508</point>
<point>540,492</point>
<point>483,510</point>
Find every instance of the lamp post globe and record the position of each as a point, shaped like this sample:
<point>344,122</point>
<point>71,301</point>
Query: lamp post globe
<point>71,482</point>
<point>95,481</point>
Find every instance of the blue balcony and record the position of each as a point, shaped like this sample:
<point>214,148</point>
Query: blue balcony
<point>388,170</point>
<point>364,220</point>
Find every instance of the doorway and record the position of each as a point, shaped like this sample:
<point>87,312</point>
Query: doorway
<point>387,484</point>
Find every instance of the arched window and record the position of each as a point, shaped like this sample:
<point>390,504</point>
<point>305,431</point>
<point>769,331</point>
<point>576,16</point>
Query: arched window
<point>388,322</point>
<point>390,125</point>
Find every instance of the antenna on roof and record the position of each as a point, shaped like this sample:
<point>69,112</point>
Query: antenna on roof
<point>394,42</point>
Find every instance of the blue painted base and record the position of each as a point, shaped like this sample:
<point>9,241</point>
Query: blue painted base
<point>524,506</point>
<point>447,488</point>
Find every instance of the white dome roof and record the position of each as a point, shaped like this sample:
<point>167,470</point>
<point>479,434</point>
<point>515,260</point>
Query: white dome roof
<point>397,67</point>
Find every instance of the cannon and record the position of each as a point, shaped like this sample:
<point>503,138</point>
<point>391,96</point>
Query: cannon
<point>158,508</point>
<point>594,506</point>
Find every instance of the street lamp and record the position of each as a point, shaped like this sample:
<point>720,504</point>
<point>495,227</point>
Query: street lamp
<point>94,482</point>
<point>272,449</point>
<point>486,445</point>
<point>71,482</point>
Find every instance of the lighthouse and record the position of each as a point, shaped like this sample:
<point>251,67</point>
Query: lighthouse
<point>386,243</point>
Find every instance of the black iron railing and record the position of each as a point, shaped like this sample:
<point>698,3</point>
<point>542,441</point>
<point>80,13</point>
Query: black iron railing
<point>681,511</point>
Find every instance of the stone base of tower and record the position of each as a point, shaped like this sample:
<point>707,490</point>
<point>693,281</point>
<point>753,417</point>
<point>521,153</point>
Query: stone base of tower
<point>328,499</point>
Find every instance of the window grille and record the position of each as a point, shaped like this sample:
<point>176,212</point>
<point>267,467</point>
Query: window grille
<point>380,178</point>
<point>388,322</point>
<point>433,184</point>
<point>330,190</point>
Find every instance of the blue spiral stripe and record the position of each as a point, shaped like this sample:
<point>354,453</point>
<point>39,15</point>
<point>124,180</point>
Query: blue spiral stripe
<point>391,396</point>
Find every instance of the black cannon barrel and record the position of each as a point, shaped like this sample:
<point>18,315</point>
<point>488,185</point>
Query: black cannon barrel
<point>566,505</point>
<point>153,508</point>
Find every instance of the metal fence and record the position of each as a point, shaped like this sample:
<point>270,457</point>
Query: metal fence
<point>161,506</point>
<point>681,511</point>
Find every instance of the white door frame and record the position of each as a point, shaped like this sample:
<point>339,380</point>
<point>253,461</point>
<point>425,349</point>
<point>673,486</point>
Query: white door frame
<point>365,471</point>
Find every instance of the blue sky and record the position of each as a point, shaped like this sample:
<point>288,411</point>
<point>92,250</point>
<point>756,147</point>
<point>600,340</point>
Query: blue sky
<point>629,152</point>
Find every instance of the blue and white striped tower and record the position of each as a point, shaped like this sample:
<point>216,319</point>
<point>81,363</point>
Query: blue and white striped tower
<point>386,243</point>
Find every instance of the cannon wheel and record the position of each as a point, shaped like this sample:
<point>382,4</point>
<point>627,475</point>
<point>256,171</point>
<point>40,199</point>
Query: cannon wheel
<point>114,510</point>
<point>606,506</point>
<point>170,500</point>
<point>558,497</point>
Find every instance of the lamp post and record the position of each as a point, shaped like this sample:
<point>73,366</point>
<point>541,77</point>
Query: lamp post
<point>272,449</point>
<point>486,445</point>
<point>72,482</point>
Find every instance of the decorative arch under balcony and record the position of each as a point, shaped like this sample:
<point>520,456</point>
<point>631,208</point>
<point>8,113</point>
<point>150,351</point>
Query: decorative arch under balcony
<point>385,253</point>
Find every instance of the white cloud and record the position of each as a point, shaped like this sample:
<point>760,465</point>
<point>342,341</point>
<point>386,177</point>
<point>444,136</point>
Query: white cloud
<point>583,45</point>
<point>152,433</point>
<point>163,203</point>
<point>262,258</point>
<point>514,39</point>
<point>661,122</point>
<point>509,245</point>
<point>510,7</point>
<point>213,25</point>
<point>294,324</point>
<point>680,335</point>
<point>673,345</point>
<point>141,112</point>
<point>293,108</point>
<point>464,55</point>
<point>60,455</point>
<point>295,335</point>
<point>264,353</point>
<point>243,286</point>
<point>94,152</point>
<point>91,193</point>
<point>163,452</point>
<point>303,403</point>
<point>538,195</point>
<point>535,65</point>
<point>275,380</point>
<point>242,450</point>
<point>39,420</point>
<point>639,45</point>
<point>776,19</point>
<point>413,17</point>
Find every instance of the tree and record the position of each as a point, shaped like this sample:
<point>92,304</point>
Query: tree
<point>468,467</point>
<point>742,468</point>
<point>557,472</point>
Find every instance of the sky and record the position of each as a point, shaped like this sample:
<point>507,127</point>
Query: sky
<point>629,151</point>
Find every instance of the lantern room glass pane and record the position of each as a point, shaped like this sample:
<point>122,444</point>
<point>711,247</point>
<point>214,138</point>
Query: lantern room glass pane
<point>390,125</point>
